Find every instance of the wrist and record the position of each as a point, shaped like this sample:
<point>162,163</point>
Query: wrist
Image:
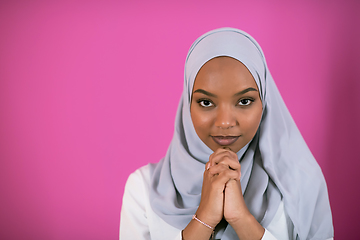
<point>206,218</point>
<point>241,221</point>
<point>203,223</point>
<point>196,230</point>
<point>248,228</point>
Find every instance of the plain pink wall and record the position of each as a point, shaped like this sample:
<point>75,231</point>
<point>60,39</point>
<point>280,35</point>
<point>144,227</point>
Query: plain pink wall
<point>89,91</point>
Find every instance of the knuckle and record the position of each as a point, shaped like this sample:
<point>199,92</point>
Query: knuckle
<point>232,174</point>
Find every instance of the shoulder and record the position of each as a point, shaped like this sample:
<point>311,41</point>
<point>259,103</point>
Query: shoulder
<point>138,182</point>
<point>142,174</point>
<point>137,219</point>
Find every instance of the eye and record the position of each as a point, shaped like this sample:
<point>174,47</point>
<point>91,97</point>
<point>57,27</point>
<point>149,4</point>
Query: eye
<point>245,102</point>
<point>205,103</point>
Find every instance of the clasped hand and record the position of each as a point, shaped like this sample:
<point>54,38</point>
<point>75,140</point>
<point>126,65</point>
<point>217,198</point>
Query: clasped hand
<point>221,195</point>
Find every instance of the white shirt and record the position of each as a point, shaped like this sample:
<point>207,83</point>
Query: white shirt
<point>138,220</point>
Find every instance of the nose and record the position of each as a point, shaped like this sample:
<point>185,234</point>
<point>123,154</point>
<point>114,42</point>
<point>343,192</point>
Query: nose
<point>225,118</point>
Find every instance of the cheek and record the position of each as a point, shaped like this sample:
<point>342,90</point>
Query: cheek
<point>201,122</point>
<point>253,120</point>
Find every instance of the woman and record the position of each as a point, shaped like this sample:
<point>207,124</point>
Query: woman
<point>237,167</point>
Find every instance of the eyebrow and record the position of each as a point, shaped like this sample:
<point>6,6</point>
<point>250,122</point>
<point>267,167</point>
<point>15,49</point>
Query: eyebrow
<point>245,91</point>
<point>236,94</point>
<point>205,92</point>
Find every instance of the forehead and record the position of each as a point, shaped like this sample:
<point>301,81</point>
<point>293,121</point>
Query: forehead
<point>224,73</point>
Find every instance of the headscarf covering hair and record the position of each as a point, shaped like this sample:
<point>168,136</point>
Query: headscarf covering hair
<point>276,165</point>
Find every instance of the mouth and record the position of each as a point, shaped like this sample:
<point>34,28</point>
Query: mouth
<point>225,140</point>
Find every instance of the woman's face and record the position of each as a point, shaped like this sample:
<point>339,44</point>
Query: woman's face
<point>226,107</point>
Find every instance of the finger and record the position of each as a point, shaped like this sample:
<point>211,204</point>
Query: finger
<point>216,169</point>
<point>225,157</point>
<point>221,152</point>
<point>234,182</point>
<point>220,168</point>
<point>207,165</point>
<point>224,177</point>
<point>231,164</point>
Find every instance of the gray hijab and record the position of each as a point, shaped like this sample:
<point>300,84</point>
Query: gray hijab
<point>276,165</point>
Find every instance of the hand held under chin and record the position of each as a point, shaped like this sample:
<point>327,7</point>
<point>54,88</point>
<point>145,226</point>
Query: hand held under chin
<point>223,166</point>
<point>221,197</point>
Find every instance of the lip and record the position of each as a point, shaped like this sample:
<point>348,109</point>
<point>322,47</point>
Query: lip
<point>225,140</point>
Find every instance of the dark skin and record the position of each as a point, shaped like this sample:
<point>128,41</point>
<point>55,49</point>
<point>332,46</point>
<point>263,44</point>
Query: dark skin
<point>225,105</point>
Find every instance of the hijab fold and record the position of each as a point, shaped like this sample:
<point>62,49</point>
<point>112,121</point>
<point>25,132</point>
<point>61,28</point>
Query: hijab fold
<point>276,165</point>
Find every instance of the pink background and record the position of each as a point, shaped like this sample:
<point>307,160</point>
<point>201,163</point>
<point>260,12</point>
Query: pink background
<point>89,91</point>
